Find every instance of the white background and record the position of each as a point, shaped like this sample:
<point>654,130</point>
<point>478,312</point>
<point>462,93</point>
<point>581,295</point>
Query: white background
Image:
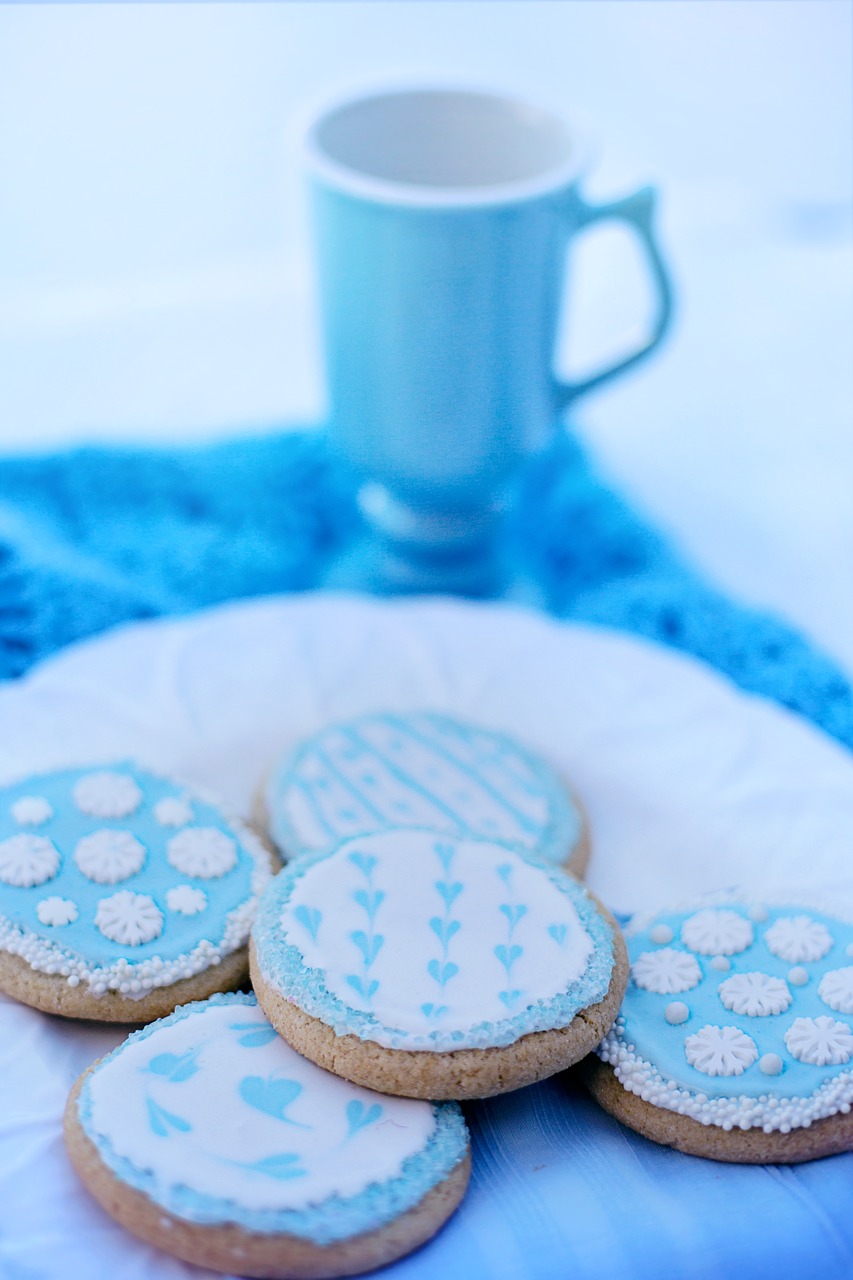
<point>155,276</point>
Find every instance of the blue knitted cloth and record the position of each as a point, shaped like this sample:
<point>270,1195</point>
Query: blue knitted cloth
<point>95,536</point>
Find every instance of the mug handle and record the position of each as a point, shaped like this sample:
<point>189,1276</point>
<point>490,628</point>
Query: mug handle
<point>637,210</point>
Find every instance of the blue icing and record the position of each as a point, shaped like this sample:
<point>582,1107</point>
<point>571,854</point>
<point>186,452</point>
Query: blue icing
<point>663,1045</point>
<point>419,769</point>
<point>180,933</point>
<point>334,1218</point>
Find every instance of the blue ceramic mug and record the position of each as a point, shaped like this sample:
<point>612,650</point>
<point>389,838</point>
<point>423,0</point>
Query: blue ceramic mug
<point>442,220</point>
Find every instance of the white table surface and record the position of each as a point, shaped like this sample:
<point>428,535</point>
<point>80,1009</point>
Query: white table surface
<point>155,278</point>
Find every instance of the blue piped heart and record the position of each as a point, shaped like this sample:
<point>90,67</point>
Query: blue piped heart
<point>431,1010</point>
<point>309,918</point>
<point>282,1166</point>
<point>445,853</point>
<point>369,901</point>
<point>504,871</point>
<point>359,1116</point>
<point>162,1121</point>
<point>364,861</point>
<point>509,997</point>
<point>173,1067</point>
<point>365,989</point>
<point>442,973</point>
<point>449,892</point>
<point>558,933</point>
<point>444,929</point>
<point>513,913</point>
<point>508,955</point>
<point>369,947</point>
<point>253,1035</point>
<point>272,1096</point>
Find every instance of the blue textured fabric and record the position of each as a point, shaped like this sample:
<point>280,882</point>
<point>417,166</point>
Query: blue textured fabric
<point>95,536</point>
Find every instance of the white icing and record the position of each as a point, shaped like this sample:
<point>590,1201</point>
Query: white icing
<point>798,938</point>
<point>666,972</point>
<point>755,995</point>
<point>720,1051</point>
<point>717,931</point>
<point>57,911</point>
<point>676,1012</point>
<point>819,1041</point>
<point>27,860</point>
<point>661,933</point>
<point>248,1102</point>
<point>836,989</point>
<point>129,918</point>
<point>798,976</point>
<point>107,795</point>
<point>758,914</point>
<point>427,947</point>
<point>109,856</point>
<point>770,1064</point>
<point>721,963</point>
<point>202,852</point>
<point>186,900</point>
<point>32,811</point>
<point>173,811</point>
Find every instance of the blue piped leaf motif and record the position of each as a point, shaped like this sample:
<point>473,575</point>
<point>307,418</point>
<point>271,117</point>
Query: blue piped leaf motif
<point>272,1095</point>
<point>513,913</point>
<point>362,986</point>
<point>253,1035</point>
<point>445,853</point>
<point>509,997</point>
<point>442,972</point>
<point>359,1116</point>
<point>431,1010</point>
<point>369,947</point>
<point>558,933</point>
<point>174,1067</point>
<point>369,902</point>
<point>309,918</point>
<point>282,1166</point>
<point>508,955</point>
<point>364,861</point>
<point>449,892</point>
<point>444,929</point>
<point>163,1121</point>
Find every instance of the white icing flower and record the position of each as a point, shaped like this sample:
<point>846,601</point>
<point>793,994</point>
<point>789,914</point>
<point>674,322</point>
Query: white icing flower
<point>27,860</point>
<point>720,1051</point>
<point>173,811</point>
<point>836,989</point>
<point>819,1041</point>
<point>715,932</point>
<point>186,900</point>
<point>57,911</point>
<point>666,972</point>
<point>755,995</point>
<point>129,918</point>
<point>32,811</point>
<point>204,852</point>
<point>107,795</point>
<point>798,938</point>
<point>109,856</point>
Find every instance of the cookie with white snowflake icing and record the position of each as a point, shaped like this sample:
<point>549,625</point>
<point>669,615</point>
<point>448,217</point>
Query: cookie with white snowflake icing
<point>207,1135</point>
<point>436,967</point>
<point>122,893</point>
<point>421,769</point>
<point>754,1062</point>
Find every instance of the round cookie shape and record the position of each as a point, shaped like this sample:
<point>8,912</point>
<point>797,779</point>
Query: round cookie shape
<point>99,917</point>
<point>760,1068</point>
<point>437,967</point>
<point>207,1135</point>
<point>423,770</point>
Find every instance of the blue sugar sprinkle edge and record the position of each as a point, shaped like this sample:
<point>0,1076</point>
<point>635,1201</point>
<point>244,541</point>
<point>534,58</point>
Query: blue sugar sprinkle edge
<point>282,966</point>
<point>333,1219</point>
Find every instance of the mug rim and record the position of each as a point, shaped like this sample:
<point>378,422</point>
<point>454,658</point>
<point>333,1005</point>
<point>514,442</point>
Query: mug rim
<point>376,190</point>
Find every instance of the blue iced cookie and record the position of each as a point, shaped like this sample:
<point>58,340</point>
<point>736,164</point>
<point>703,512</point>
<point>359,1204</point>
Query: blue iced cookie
<point>735,1037</point>
<point>434,966</point>
<point>421,769</point>
<point>207,1135</point>
<point>122,893</point>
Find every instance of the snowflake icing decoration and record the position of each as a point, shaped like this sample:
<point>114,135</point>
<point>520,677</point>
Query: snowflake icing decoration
<point>836,989</point>
<point>820,1041</point>
<point>107,857</point>
<point>720,1051</point>
<point>666,972</point>
<point>798,938</point>
<point>173,811</point>
<point>129,918</point>
<point>107,795</point>
<point>203,852</point>
<point>714,932</point>
<point>755,995</point>
<point>57,911</point>
<point>186,900</point>
<point>27,860</point>
<point>32,811</point>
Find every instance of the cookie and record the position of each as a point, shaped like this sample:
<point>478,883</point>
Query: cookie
<point>421,769</point>
<point>735,1038</point>
<point>432,967</point>
<point>208,1136</point>
<point>122,893</point>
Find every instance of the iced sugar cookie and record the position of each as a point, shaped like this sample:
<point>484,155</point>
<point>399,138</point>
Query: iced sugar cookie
<point>435,967</point>
<point>208,1136</point>
<point>122,894</point>
<point>735,1038</point>
<point>421,769</point>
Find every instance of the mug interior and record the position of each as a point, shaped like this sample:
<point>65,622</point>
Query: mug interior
<point>445,139</point>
